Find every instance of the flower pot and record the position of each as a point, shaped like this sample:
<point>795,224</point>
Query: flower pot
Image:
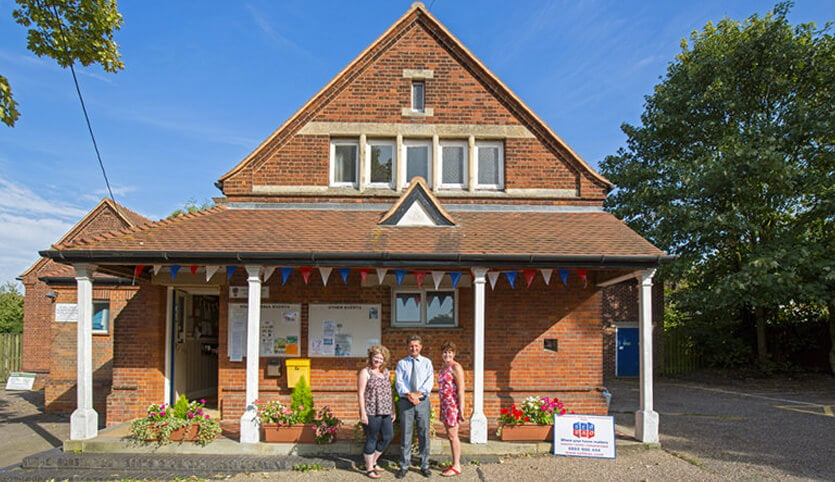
<point>299,433</point>
<point>527,433</point>
<point>185,434</point>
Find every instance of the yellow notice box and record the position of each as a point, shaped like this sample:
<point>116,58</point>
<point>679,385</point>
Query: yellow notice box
<point>297,368</point>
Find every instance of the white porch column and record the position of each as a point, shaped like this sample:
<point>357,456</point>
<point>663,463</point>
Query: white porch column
<point>84,422</point>
<point>249,424</point>
<point>478,422</point>
<point>646,419</point>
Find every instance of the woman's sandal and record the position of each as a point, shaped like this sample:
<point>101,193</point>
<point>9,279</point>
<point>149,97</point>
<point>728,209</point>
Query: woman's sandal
<point>450,472</point>
<point>372,474</point>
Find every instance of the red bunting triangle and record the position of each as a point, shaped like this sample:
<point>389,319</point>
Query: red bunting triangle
<point>529,276</point>
<point>193,269</point>
<point>419,275</point>
<point>364,273</point>
<point>305,271</point>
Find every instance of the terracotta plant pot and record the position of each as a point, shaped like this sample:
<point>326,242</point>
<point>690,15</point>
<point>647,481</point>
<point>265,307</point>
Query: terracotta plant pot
<point>300,433</point>
<point>185,434</point>
<point>527,433</point>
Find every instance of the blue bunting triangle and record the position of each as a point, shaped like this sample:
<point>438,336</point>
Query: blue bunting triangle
<point>511,278</point>
<point>229,271</point>
<point>564,275</point>
<point>285,273</point>
<point>399,274</point>
<point>344,272</point>
<point>455,276</point>
<point>174,268</point>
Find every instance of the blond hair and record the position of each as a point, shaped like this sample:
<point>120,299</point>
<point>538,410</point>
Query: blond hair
<point>379,350</point>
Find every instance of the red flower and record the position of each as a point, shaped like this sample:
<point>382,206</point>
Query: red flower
<point>504,411</point>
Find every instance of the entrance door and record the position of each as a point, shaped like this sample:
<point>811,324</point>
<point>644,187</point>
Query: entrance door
<point>628,355</point>
<point>195,341</point>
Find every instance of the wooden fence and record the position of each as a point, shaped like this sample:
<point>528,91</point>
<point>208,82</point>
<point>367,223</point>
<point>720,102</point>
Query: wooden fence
<point>10,354</point>
<point>680,355</point>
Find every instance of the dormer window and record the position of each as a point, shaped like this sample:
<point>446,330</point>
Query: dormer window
<point>418,95</point>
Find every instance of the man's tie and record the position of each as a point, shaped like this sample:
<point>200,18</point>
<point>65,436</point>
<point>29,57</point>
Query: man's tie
<point>413,387</point>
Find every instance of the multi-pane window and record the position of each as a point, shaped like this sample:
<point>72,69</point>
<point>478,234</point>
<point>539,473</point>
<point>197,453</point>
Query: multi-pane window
<point>454,164</point>
<point>418,159</point>
<point>418,307</point>
<point>344,155</point>
<point>380,163</point>
<point>418,95</point>
<point>489,165</point>
<point>101,316</point>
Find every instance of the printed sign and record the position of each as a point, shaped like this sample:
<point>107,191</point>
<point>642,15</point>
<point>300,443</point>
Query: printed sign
<point>584,436</point>
<point>66,312</point>
<point>20,381</point>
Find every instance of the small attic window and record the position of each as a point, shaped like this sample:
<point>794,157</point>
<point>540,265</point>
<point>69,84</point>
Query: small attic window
<point>418,95</point>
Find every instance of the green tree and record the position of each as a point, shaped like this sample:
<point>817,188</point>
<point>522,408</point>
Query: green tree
<point>732,170</point>
<point>191,206</point>
<point>67,31</point>
<point>11,309</point>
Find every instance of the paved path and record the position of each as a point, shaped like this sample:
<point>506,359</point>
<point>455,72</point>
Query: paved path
<point>711,429</point>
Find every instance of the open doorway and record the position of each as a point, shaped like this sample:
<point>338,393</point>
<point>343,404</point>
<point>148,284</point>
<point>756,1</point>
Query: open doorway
<point>194,339</point>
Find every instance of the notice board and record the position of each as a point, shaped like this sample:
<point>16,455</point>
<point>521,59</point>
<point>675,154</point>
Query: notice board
<point>280,330</point>
<point>342,330</point>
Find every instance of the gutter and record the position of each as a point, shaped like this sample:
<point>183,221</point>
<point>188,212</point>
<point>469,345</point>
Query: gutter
<point>357,259</point>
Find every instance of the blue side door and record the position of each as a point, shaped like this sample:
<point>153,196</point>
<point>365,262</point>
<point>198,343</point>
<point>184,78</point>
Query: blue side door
<point>627,361</point>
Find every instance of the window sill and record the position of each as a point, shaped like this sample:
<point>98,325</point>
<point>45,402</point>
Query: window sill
<point>427,112</point>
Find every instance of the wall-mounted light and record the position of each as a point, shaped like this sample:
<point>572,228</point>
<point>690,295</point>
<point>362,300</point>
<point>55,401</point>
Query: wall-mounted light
<point>51,295</point>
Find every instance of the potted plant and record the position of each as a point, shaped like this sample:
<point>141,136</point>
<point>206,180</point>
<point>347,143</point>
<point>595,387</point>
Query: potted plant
<point>289,424</point>
<point>327,426</point>
<point>183,422</point>
<point>533,420</point>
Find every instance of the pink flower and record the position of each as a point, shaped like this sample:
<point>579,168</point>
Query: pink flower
<point>202,400</point>
<point>162,414</point>
<point>190,415</point>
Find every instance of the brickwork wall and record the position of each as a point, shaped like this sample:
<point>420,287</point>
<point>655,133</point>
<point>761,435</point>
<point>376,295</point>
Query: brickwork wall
<point>518,322</point>
<point>37,329</point>
<point>620,305</point>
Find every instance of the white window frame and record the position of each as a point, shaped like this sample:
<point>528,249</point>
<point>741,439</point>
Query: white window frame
<point>464,164</point>
<point>489,144</point>
<point>344,142</point>
<point>423,292</point>
<point>404,160</point>
<point>105,316</point>
<point>394,166</point>
<point>418,106</point>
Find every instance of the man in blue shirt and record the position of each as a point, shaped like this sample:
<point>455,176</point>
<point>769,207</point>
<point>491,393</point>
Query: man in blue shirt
<point>415,377</point>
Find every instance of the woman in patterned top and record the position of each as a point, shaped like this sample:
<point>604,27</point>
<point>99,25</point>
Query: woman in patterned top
<point>451,391</point>
<point>376,407</point>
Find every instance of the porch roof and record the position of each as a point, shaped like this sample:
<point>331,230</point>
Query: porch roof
<point>352,236</point>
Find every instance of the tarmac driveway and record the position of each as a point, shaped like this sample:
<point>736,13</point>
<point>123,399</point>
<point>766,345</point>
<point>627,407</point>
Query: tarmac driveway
<point>743,429</point>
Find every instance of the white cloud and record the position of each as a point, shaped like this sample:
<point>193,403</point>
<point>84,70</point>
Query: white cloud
<point>29,223</point>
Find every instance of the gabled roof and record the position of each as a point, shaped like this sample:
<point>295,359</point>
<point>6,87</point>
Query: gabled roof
<point>419,198</point>
<point>417,14</point>
<point>82,229</point>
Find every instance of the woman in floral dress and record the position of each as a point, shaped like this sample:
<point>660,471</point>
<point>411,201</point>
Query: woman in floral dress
<point>451,391</point>
<point>376,407</point>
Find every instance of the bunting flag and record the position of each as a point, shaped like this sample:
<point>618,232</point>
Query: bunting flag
<point>564,275</point>
<point>285,273</point>
<point>546,274</point>
<point>529,276</point>
<point>157,267</point>
<point>364,273</point>
<point>583,276</point>
<point>493,276</point>
<point>399,274</point>
<point>437,277</point>
<point>137,271</point>
<point>193,269</point>
<point>381,275</point>
<point>230,270</point>
<point>268,271</point>
<point>305,271</point>
<point>211,270</point>
<point>326,273</point>
<point>419,276</point>
<point>455,276</point>
<point>344,272</point>
<point>174,269</point>
<point>511,278</point>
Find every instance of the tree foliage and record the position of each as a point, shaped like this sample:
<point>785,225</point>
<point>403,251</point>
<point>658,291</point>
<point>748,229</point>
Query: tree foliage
<point>191,206</point>
<point>732,169</point>
<point>67,31</point>
<point>11,309</point>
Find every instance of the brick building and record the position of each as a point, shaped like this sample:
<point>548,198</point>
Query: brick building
<point>414,193</point>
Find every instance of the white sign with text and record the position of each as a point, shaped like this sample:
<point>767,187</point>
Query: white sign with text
<point>584,436</point>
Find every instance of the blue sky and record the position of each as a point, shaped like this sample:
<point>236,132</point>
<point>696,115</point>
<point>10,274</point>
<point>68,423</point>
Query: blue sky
<point>205,82</point>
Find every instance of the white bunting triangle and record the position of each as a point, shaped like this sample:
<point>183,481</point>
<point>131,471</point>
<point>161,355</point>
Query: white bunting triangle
<point>326,273</point>
<point>210,271</point>
<point>493,276</point>
<point>437,277</point>
<point>157,267</point>
<point>546,274</point>
<point>268,271</point>
<point>381,275</point>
